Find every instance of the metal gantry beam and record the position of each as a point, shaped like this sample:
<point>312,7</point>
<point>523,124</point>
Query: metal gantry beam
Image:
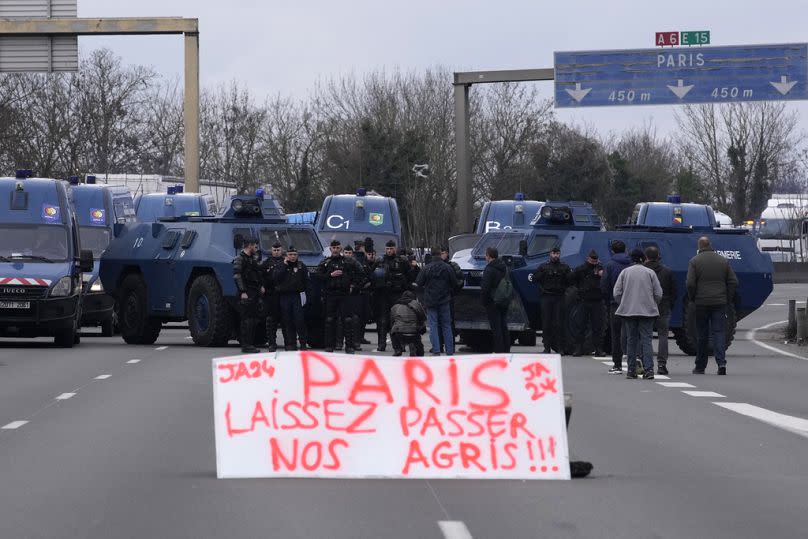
<point>462,83</point>
<point>135,26</point>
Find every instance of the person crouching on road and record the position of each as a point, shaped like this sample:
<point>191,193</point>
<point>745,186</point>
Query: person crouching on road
<point>668,283</point>
<point>586,278</point>
<point>638,293</point>
<point>408,324</point>
<point>554,277</point>
<point>493,273</point>
<point>611,271</point>
<point>711,285</point>
<point>437,282</point>
<point>291,280</point>
<point>248,276</point>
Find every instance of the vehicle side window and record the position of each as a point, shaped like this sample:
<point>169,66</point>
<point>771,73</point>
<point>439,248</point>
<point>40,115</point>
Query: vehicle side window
<point>541,245</point>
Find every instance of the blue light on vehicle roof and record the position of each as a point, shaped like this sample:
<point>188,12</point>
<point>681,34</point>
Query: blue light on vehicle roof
<point>260,193</point>
<point>361,192</point>
<point>519,196</point>
<point>171,190</point>
<point>179,189</point>
<point>23,173</point>
<point>675,199</point>
<point>90,179</point>
<point>73,180</point>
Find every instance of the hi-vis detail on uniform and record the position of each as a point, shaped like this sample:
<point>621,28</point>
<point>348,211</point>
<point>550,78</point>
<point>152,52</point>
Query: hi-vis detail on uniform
<point>681,75</point>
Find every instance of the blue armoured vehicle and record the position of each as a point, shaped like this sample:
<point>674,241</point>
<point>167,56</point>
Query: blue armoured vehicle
<point>98,209</point>
<point>671,226</point>
<point>180,268</point>
<point>174,202</point>
<point>41,260</point>
<point>352,218</point>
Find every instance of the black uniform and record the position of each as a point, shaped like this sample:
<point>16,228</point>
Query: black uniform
<point>272,301</point>
<point>247,274</point>
<point>459,281</point>
<point>392,276</point>
<point>290,281</point>
<point>337,292</point>
<point>553,277</point>
<point>362,302</point>
<point>586,279</point>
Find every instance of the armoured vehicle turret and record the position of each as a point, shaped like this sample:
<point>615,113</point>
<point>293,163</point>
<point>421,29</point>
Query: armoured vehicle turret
<point>174,202</point>
<point>180,268</point>
<point>575,227</point>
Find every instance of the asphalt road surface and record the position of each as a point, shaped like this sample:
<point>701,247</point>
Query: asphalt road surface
<point>110,440</point>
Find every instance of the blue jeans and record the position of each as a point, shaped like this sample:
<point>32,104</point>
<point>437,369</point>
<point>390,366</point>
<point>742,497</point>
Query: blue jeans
<point>711,317</point>
<point>439,319</point>
<point>638,342</point>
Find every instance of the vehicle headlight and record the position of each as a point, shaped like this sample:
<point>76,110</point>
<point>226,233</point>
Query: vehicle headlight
<point>97,286</point>
<point>63,287</point>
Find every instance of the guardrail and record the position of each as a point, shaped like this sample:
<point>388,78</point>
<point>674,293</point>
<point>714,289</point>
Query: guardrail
<point>790,272</point>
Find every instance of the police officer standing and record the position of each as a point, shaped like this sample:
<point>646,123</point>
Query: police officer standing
<point>392,276</point>
<point>291,280</point>
<point>271,299</point>
<point>553,276</point>
<point>247,274</point>
<point>338,274</point>
<point>586,279</point>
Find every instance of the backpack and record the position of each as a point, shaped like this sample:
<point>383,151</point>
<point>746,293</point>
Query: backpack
<point>459,279</point>
<point>504,291</point>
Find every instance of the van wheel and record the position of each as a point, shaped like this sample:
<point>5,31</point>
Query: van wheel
<point>137,327</point>
<point>209,315</point>
<point>686,336</point>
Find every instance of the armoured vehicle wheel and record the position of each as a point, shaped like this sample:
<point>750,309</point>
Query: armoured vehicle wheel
<point>133,315</point>
<point>209,317</point>
<point>686,335</point>
<point>107,328</point>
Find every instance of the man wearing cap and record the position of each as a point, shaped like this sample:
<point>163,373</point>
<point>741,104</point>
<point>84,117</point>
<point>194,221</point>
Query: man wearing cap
<point>353,304</point>
<point>338,274</point>
<point>393,279</point>
<point>586,279</point>
<point>364,314</point>
<point>611,272</point>
<point>291,279</point>
<point>271,299</point>
<point>553,276</point>
<point>668,283</point>
<point>248,277</point>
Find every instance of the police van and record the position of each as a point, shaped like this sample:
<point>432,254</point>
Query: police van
<point>151,207</point>
<point>41,260</point>
<point>353,218</point>
<point>98,209</point>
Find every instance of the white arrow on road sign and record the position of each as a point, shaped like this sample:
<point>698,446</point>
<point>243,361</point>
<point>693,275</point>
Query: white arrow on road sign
<point>679,89</point>
<point>578,93</point>
<point>783,87</point>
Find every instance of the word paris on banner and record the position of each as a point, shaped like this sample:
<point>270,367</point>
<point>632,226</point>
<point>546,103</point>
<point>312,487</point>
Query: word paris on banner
<point>308,414</point>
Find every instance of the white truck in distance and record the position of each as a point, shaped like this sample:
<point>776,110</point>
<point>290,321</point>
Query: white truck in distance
<point>783,228</point>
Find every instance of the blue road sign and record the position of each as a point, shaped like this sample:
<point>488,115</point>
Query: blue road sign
<point>681,75</point>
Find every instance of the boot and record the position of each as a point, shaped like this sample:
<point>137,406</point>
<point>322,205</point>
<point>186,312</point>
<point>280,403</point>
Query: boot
<point>577,351</point>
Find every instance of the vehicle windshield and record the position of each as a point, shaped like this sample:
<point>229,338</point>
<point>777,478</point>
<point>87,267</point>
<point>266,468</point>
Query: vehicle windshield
<point>778,229</point>
<point>94,238</point>
<point>305,241</point>
<point>47,241</point>
<point>506,244</point>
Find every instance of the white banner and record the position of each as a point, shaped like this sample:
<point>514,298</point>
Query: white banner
<point>311,414</point>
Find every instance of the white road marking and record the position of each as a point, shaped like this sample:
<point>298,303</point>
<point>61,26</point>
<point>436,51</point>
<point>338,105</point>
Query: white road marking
<point>188,338</point>
<point>65,396</point>
<point>750,335</point>
<point>14,425</point>
<point>663,377</point>
<point>599,358</point>
<point>675,384</point>
<point>607,363</point>
<point>775,305</point>
<point>454,529</point>
<point>712,394</point>
<point>161,348</point>
<point>103,376</point>
<point>133,361</point>
<point>797,425</point>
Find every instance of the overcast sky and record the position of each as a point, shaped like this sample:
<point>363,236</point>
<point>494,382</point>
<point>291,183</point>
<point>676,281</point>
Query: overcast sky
<point>284,47</point>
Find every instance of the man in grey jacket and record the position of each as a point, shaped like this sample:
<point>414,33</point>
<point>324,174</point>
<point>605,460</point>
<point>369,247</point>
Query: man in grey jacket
<point>711,285</point>
<point>638,291</point>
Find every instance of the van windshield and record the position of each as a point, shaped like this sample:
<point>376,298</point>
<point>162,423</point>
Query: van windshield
<point>305,241</point>
<point>94,238</point>
<point>32,241</point>
<point>778,229</point>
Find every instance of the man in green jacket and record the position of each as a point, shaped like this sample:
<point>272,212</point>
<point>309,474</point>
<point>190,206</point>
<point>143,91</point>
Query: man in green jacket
<point>711,285</point>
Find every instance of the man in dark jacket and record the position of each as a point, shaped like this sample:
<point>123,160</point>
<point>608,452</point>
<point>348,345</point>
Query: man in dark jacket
<point>394,277</point>
<point>459,283</point>
<point>586,279</point>
<point>614,267</point>
<point>408,317</point>
<point>271,299</point>
<point>668,283</point>
<point>338,274</point>
<point>711,285</point>
<point>494,272</point>
<point>554,277</point>
<point>247,274</point>
<point>291,280</point>
<point>437,281</point>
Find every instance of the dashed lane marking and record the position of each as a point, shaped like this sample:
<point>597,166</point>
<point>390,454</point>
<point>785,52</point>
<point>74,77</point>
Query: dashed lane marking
<point>14,425</point>
<point>663,377</point>
<point>133,361</point>
<point>711,394</point>
<point>791,423</point>
<point>65,396</point>
<point>775,305</point>
<point>750,335</point>
<point>607,363</point>
<point>103,376</point>
<point>454,529</point>
<point>161,348</point>
<point>675,384</point>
